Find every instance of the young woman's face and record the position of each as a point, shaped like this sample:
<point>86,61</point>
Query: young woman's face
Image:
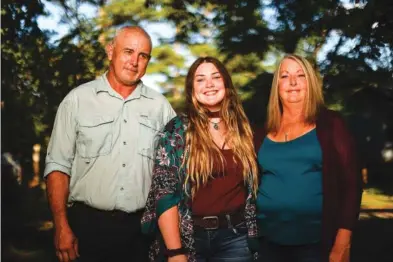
<point>209,88</point>
<point>292,84</point>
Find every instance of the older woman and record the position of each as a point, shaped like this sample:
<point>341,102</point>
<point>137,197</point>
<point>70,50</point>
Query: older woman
<point>309,195</point>
<point>201,206</point>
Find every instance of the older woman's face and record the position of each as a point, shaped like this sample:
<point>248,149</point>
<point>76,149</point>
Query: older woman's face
<point>292,83</point>
<point>209,87</point>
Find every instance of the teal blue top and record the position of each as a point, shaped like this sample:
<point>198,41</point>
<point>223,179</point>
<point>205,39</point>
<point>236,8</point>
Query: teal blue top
<point>289,203</point>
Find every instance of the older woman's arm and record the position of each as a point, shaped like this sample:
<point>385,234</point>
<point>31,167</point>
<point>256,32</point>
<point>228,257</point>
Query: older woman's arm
<point>350,191</point>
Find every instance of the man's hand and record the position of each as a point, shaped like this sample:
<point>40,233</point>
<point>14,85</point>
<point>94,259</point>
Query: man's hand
<point>178,258</point>
<point>340,253</point>
<point>66,244</point>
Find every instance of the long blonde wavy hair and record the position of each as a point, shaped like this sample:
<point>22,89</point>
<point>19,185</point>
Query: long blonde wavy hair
<point>313,101</point>
<point>200,146</point>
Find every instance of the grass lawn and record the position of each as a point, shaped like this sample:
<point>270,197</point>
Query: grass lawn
<point>373,237</point>
<point>373,198</point>
<point>376,204</point>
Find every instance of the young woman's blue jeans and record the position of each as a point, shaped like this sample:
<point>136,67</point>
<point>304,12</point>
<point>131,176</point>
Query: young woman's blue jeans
<point>272,252</point>
<point>222,245</point>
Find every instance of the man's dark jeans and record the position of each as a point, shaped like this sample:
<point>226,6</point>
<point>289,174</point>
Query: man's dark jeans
<point>108,236</point>
<point>222,245</point>
<point>272,252</point>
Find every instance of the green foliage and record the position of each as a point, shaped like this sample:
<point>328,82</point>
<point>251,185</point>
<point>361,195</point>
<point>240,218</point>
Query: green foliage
<point>240,34</point>
<point>248,36</point>
<point>166,60</point>
<point>23,44</point>
<point>36,75</point>
<point>204,50</point>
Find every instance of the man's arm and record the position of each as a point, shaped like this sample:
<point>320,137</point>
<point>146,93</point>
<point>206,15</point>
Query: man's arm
<point>57,186</point>
<point>59,159</point>
<point>66,243</point>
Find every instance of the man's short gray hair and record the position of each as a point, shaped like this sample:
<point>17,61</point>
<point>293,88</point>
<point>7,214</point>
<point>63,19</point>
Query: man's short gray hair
<point>132,28</point>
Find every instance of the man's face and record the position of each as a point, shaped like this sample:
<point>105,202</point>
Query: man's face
<point>129,56</point>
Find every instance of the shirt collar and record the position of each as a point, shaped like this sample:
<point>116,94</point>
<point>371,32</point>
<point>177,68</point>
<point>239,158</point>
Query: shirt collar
<point>140,90</point>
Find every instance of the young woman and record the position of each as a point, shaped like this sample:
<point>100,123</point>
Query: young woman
<point>201,204</point>
<point>309,195</point>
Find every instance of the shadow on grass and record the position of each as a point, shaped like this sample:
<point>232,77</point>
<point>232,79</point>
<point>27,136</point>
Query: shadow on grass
<point>25,239</point>
<point>372,242</point>
<point>29,244</point>
<point>381,177</point>
<point>373,238</point>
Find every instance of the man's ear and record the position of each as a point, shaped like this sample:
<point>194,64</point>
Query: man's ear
<point>109,51</point>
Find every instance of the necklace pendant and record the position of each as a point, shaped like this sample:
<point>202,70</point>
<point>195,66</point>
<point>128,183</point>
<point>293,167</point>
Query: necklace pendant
<point>215,126</point>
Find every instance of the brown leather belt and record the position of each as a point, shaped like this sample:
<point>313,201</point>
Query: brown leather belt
<point>220,221</point>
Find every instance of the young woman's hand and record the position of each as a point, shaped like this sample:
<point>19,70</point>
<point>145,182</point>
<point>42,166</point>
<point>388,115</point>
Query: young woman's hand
<point>340,253</point>
<point>342,246</point>
<point>178,258</point>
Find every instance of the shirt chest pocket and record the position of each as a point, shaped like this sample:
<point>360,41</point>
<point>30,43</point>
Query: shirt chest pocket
<point>95,136</point>
<point>149,130</point>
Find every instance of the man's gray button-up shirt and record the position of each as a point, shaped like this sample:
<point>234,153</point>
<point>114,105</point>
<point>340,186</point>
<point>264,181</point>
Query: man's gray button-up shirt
<point>106,143</point>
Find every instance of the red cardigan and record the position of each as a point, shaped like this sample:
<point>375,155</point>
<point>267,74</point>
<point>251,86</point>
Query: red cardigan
<point>341,179</point>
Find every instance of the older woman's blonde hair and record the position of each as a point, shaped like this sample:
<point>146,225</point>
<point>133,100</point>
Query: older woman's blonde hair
<point>313,101</point>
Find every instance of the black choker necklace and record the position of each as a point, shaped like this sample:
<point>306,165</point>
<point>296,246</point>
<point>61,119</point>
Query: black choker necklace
<point>215,114</point>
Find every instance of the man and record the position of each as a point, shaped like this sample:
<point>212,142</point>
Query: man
<point>99,158</point>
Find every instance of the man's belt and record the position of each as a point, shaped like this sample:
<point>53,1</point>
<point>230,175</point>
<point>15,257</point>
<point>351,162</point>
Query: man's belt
<point>113,213</point>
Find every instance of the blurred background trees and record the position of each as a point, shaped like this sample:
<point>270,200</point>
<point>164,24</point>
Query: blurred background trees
<point>350,42</point>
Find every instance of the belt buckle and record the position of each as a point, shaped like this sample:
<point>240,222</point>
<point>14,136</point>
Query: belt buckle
<point>211,217</point>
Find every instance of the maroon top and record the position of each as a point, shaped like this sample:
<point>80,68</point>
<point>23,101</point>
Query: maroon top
<point>223,194</point>
<point>341,179</point>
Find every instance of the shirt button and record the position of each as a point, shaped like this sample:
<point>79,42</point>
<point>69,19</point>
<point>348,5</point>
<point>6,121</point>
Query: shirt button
<point>124,165</point>
<point>124,143</point>
<point>125,121</point>
<point>122,188</point>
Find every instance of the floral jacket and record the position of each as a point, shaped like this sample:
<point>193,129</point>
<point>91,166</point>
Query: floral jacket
<point>168,189</point>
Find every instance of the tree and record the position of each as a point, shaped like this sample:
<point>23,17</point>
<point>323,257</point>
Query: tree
<point>25,57</point>
<point>251,36</point>
<point>37,74</point>
<point>195,24</point>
